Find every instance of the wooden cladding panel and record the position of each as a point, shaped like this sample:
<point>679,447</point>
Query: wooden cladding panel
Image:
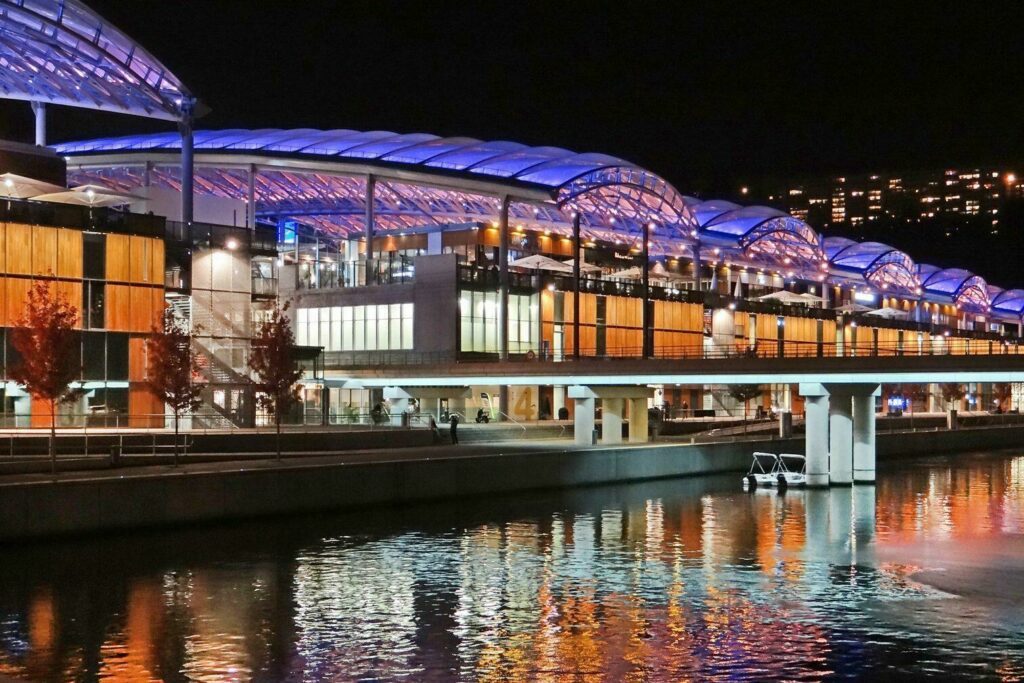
<point>156,266</point>
<point>19,249</point>
<point>44,250</point>
<point>137,359</point>
<point>145,409</point>
<point>69,253</point>
<point>138,266</point>
<point>17,296</point>
<point>118,307</point>
<point>118,255</point>
<point>72,293</point>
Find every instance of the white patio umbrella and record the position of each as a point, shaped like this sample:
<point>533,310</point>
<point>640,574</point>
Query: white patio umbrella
<point>14,186</point>
<point>852,308</point>
<point>584,266</point>
<point>785,297</point>
<point>540,262</point>
<point>91,196</point>
<point>890,313</point>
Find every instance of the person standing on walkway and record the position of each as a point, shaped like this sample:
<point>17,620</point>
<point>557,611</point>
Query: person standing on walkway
<point>454,421</point>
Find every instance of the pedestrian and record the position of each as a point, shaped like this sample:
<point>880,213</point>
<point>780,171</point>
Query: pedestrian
<point>434,432</point>
<point>454,421</point>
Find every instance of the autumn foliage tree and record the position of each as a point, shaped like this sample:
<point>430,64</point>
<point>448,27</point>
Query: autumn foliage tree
<point>48,345</point>
<point>173,367</point>
<point>743,393</point>
<point>275,372</point>
<point>952,393</point>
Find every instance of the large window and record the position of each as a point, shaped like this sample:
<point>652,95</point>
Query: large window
<point>382,327</point>
<point>478,312</point>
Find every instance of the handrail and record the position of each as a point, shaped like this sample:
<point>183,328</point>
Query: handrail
<point>513,421</point>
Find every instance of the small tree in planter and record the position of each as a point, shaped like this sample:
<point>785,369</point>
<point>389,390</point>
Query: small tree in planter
<point>273,365</point>
<point>173,367</point>
<point>741,393</point>
<point>952,393</point>
<point>45,338</point>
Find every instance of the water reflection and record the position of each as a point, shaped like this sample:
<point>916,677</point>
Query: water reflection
<point>685,578</point>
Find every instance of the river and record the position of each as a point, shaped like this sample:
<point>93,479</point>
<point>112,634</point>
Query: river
<point>920,575</point>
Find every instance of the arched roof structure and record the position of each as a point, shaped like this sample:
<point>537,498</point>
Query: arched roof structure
<point>880,265</point>
<point>62,52</point>
<point>761,234</point>
<point>966,289</point>
<point>1009,301</point>
<point>320,177</point>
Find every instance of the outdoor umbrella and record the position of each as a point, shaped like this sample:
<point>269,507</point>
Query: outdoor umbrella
<point>852,308</point>
<point>540,262</point>
<point>14,186</point>
<point>90,195</point>
<point>584,266</point>
<point>890,313</point>
<point>782,296</point>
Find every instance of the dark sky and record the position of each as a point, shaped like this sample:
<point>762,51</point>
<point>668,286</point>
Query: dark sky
<point>710,96</point>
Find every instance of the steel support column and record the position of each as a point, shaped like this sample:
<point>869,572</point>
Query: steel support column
<point>697,265</point>
<point>645,255</point>
<point>864,435</point>
<point>187,167</point>
<point>576,269</point>
<point>250,199</point>
<point>39,109</point>
<point>368,226</point>
<point>503,280</point>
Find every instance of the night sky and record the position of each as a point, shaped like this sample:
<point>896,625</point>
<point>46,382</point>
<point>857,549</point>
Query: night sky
<point>712,97</point>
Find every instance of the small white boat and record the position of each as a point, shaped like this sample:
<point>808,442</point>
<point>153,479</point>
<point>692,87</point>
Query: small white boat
<point>769,469</point>
<point>792,469</point>
<point>762,471</point>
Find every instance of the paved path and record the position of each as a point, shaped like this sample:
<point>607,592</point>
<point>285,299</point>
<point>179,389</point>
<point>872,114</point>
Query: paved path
<point>243,462</point>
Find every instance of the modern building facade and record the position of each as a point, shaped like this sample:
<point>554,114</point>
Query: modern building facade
<point>398,249</point>
<point>402,249</point>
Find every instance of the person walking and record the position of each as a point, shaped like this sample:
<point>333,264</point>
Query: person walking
<point>454,421</point>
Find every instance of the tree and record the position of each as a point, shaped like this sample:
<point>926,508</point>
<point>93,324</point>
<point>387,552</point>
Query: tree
<point>741,393</point>
<point>272,362</point>
<point>173,366</point>
<point>48,345</point>
<point>952,392</point>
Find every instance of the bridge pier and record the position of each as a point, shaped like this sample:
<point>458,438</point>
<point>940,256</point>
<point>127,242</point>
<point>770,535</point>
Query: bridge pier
<point>840,438</point>
<point>613,402</point>
<point>864,436</point>
<point>816,433</point>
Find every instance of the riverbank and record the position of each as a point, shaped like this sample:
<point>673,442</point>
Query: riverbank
<point>118,499</point>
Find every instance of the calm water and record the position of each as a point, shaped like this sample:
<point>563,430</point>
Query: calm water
<point>923,574</point>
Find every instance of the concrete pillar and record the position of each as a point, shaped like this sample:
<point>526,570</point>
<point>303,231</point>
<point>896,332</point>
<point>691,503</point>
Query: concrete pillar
<point>864,436</point>
<point>557,399</point>
<point>816,433</point>
<point>840,440</point>
<point>583,420</point>
<point>39,109</point>
<point>638,420</point>
<point>611,420</point>
<point>503,406</point>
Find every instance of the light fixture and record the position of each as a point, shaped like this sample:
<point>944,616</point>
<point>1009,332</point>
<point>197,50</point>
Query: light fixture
<point>231,243</point>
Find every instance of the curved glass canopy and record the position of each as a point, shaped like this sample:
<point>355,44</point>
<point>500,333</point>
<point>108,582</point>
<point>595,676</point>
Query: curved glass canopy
<point>762,234</point>
<point>966,289</point>
<point>881,266</point>
<point>61,52</point>
<point>1009,301</point>
<point>421,179</point>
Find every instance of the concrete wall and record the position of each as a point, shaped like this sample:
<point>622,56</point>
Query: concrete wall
<point>182,497</point>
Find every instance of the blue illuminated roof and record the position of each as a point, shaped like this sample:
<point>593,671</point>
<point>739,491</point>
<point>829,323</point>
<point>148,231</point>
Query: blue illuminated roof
<point>966,289</point>
<point>707,211</point>
<point>610,193</point>
<point>879,264</point>
<point>1009,301</point>
<point>544,166</point>
<point>62,52</point>
<point>739,222</point>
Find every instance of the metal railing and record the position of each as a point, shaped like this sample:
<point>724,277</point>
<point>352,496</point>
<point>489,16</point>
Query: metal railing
<point>763,349</point>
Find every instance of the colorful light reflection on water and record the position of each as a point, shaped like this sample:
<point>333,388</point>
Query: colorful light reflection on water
<point>666,580</point>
